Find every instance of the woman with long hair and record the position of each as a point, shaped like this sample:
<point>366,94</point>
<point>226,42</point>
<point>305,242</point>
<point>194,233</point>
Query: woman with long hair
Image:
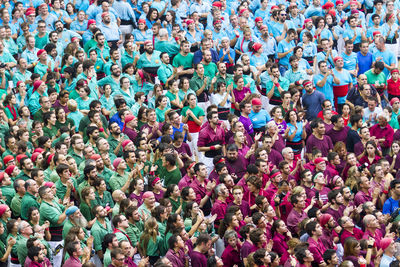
<point>294,133</point>
<point>277,118</point>
<point>137,189</point>
<point>88,196</point>
<point>281,235</point>
<point>352,251</point>
<point>173,95</point>
<point>150,242</point>
<point>161,108</point>
<point>10,109</point>
<point>371,154</point>
<point>240,93</point>
<point>193,115</point>
<point>222,98</point>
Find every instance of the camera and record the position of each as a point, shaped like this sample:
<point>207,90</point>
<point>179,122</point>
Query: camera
<point>3,65</point>
<point>362,167</point>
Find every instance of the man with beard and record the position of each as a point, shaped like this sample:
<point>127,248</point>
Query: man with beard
<point>276,85</point>
<point>149,61</point>
<point>100,228</point>
<point>336,208</point>
<point>65,185</point>
<point>75,252</point>
<point>136,225</point>
<point>89,35</point>
<point>114,60</point>
<point>235,162</point>
<point>65,35</point>
<point>166,72</point>
<point>328,224</point>
<point>295,75</point>
<point>113,79</point>
<point>77,149</point>
<point>115,139</point>
<point>339,130</point>
<point>52,53</point>
<point>222,76</point>
<point>184,59</point>
<point>218,34</point>
<point>211,140</point>
<point>42,36</point>
<point>93,133</point>
<point>26,167</point>
<point>210,69</point>
<point>318,139</point>
<point>102,171</point>
<point>36,255</point>
<point>75,218</point>
<point>111,31</point>
<point>324,80</point>
<point>205,46</point>
<point>297,214</point>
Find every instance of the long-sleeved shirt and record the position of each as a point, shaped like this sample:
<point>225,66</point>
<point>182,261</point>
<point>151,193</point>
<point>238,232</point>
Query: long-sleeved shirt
<point>386,133</point>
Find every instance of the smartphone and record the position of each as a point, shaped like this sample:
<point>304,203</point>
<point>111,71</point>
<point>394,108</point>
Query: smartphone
<point>317,195</point>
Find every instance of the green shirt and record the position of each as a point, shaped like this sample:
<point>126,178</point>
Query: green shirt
<point>172,177</point>
<point>40,42</point>
<point>50,132</point>
<point>121,235</point>
<point>134,232</point>
<point>78,159</point>
<point>105,201</point>
<point>9,192</point>
<point>16,205</point>
<point>51,212</point>
<point>185,61</point>
<point>172,48</point>
<point>98,232</point>
<point>28,201</point>
<point>283,82</point>
<point>210,70</point>
<point>373,78</point>
<point>22,250</point>
<point>164,72</point>
<point>153,247</point>
<point>117,181</point>
<point>86,211</point>
<point>161,114</point>
<point>114,143</point>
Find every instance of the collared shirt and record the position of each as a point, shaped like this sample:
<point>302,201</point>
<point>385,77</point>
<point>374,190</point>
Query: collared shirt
<point>209,135</point>
<point>124,10</point>
<point>72,262</point>
<point>317,249</point>
<point>386,133</point>
<point>111,31</point>
<point>294,219</point>
<point>176,259</point>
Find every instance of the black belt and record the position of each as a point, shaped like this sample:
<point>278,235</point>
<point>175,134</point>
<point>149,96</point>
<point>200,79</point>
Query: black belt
<point>126,22</point>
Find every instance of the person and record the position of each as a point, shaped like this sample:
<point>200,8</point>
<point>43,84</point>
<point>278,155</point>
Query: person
<point>202,246</point>
<point>312,100</point>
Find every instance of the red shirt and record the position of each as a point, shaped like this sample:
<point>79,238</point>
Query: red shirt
<point>393,87</point>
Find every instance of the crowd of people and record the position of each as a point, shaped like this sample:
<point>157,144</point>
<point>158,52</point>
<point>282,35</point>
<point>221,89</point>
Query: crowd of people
<point>199,133</point>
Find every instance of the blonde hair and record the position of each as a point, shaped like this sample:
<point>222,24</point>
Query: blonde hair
<point>150,231</point>
<point>72,105</point>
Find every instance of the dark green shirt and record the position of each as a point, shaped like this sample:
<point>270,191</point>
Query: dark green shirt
<point>28,201</point>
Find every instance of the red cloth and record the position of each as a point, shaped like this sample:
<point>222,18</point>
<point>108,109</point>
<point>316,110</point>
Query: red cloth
<point>393,87</point>
<point>386,133</point>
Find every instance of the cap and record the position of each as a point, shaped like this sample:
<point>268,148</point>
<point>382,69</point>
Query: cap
<point>49,184</point>
<point>258,19</point>
<point>51,156</point>
<point>3,208</point>
<point>328,5</point>
<point>256,102</point>
<point>148,194</point>
<point>189,21</point>
<point>142,21</point>
<point>9,170</point>
<point>34,156</point>
<point>318,161</point>
<point>394,100</point>
<point>30,11</point>
<point>41,51</point>
<point>104,14</point>
<point>95,156</point>
<point>217,4</point>
<point>71,210</point>
<point>7,159</point>
<point>332,13</point>
<point>126,142</point>
<point>336,59</point>
<point>39,150</point>
<point>355,11</point>
<point>116,163</point>
<point>217,21</point>
<point>256,47</point>
<point>384,244</point>
<point>21,156</point>
<point>339,2</point>
<point>324,219</point>
<point>90,22</point>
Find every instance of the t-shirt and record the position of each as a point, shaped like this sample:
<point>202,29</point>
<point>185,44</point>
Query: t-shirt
<point>312,104</point>
<point>198,112</point>
<point>324,145</point>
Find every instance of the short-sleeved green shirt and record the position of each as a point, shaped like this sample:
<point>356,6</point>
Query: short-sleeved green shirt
<point>117,181</point>
<point>22,250</point>
<point>105,201</point>
<point>197,111</point>
<point>134,232</point>
<point>51,212</point>
<point>161,114</point>
<point>98,232</point>
<point>28,201</point>
<point>185,61</point>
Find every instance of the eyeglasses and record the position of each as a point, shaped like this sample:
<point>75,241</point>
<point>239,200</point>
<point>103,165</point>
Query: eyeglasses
<point>121,259</point>
<point>283,14</point>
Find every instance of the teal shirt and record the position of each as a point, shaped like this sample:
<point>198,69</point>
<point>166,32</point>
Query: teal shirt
<point>164,72</point>
<point>34,102</point>
<point>109,80</point>
<point>98,232</point>
<point>154,61</point>
<point>51,212</point>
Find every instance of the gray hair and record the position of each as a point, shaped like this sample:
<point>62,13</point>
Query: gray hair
<point>286,150</point>
<point>229,234</point>
<point>163,32</point>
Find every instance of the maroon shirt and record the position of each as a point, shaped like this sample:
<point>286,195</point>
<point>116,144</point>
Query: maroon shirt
<point>317,249</point>
<point>231,256</point>
<point>219,208</point>
<point>361,198</point>
<point>275,157</point>
<point>280,246</point>
<point>238,167</point>
<point>324,145</point>
<point>208,135</point>
<point>132,134</point>
<point>337,136</point>
<point>357,234</point>
<point>294,219</point>
<point>198,259</point>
